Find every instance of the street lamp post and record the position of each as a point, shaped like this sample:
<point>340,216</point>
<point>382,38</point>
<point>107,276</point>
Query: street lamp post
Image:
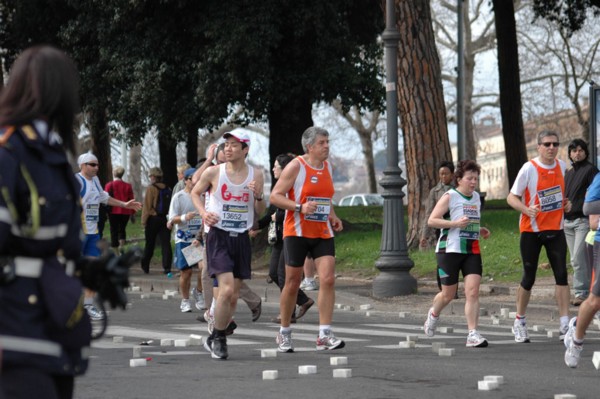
<point>394,264</point>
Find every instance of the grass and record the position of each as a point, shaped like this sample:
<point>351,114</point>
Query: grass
<point>358,246</point>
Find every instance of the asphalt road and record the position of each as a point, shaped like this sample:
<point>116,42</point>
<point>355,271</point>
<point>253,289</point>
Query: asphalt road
<point>379,367</point>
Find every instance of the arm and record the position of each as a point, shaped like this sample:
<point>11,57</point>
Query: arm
<point>131,204</point>
<point>436,219</point>
<point>149,200</point>
<point>515,202</point>
<point>257,187</point>
<point>278,195</point>
<point>209,161</point>
<point>202,186</point>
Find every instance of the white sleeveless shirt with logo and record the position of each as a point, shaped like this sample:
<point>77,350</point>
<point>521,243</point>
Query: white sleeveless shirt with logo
<point>234,203</point>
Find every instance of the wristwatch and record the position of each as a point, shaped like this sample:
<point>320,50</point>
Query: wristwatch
<point>298,208</point>
<point>262,195</point>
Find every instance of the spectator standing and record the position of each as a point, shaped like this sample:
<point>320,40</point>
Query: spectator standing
<point>577,180</point>
<point>180,185</point>
<point>429,235</point>
<point>119,217</point>
<point>154,221</point>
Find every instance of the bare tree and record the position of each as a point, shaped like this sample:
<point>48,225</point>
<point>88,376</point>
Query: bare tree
<point>421,107</point>
<point>479,37</point>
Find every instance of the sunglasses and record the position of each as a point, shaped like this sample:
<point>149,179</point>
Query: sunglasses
<point>93,165</point>
<point>553,144</point>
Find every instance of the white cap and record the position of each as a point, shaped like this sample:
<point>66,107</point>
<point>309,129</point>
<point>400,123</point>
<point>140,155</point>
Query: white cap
<point>239,136</point>
<point>86,158</point>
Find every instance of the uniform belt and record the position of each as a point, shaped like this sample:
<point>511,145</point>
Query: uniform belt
<point>29,345</point>
<point>28,267</point>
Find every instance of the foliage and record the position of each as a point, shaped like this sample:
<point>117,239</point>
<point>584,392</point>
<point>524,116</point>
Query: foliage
<point>570,15</point>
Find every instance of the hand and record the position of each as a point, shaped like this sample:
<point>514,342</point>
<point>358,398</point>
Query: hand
<point>484,233</point>
<point>336,223</point>
<point>133,204</point>
<point>211,218</point>
<point>532,211</point>
<point>462,222</point>
<point>567,204</point>
<point>309,208</point>
<point>253,233</point>
<point>195,243</point>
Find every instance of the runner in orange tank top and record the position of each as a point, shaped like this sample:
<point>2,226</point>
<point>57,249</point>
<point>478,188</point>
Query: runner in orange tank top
<point>304,190</point>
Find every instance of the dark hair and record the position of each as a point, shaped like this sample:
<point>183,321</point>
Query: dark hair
<point>446,164</point>
<point>578,143</point>
<point>43,84</point>
<point>466,165</point>
<point>284,159</point>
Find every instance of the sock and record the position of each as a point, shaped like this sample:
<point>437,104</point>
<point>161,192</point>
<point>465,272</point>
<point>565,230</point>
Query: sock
<point>88,301</point>
<point>213,305</point>
<point>472,331</point>
<point>323,328</point>
<point>521,318</point>
<point>564,320</point>
<point>309,279</point>
<point>285,330</point>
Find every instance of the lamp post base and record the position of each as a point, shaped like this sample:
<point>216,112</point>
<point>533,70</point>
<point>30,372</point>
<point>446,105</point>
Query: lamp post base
<point>394,283</point>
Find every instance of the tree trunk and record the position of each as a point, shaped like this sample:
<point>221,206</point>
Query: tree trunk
<point>470,140</point>
<point>101,142</point>
<point>421,108</point>
<point>192,146</point>
<point>168,160</point>
<point>367,150</point>
<point>510,87</point>
<point>287,122</point>
<point>135,171</point>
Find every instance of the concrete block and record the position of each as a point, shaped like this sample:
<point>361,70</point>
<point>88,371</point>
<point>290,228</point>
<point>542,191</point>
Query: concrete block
<point>367,314</point>
<point>166,342</point>
<point>342,373</point>
<point>404,315</point>
<point>135,288</point>
<point>182,342</point>
<point>564,396</point>
<point>165,296</point>
<point>195,340</point>
<point>538,328</point>
<point>307,369</point>
<point>339,306</point>
<point>348,307</point>
<point>512,315</point>
<point>487,385</point>
<point>497,378</point>
<point>596,360</point>
<point>137,362</point>
<point>483,312</point>
<point>145,296</point>
<point>270,374</point>
<point>446,352</point>
<point>338,361</point>
<point>411,337</point>
<point>495,321</point>
<point>553,333</point>
<point>137,351</point>
<point>367,306</point>
<point>436,346</point>
<point>407,344</point>
<point>268,353</point>
<point>118,340</point>
<point>446,330</point>
<point>504,312</point>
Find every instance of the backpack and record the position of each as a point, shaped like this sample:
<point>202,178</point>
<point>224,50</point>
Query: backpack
<point>163,201</point>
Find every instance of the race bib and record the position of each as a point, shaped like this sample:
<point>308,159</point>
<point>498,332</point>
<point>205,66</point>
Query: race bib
<point>234,216</point>
<point>471,232</point>
<point>92,213</point>
<point>323,209</point>
<point>550,199</point>
<point>194,224</point>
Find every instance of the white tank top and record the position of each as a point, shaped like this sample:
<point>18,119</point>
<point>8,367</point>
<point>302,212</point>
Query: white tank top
<point>234,203</point>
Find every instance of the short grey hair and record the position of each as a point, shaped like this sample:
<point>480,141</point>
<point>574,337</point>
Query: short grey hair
<point>546,133</point>
<point>310,136</point>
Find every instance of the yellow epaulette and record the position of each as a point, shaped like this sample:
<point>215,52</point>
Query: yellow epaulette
<point>4,137</point>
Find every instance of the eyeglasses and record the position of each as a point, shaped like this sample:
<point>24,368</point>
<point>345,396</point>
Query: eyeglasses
<point>188,178</point>
<point>93,165</point>
<point>553,144</point>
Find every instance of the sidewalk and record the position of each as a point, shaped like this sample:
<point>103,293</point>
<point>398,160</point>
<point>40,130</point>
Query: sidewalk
<point>352,293</point>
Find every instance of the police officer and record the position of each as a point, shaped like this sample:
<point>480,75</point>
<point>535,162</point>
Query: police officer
<point>43,328</point>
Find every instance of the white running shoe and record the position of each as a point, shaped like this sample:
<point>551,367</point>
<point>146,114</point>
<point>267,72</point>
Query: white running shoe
<point>520,331</point>
<point>475,340</point>
<point>329,342</point>
<point>210,321</point>
<point>284,342</point>
<point>94,313</point>
<point>573,352</point>
<point>185,306</point>
<point>430,324</point>
<point>198,298</point>
<point>309,285</point>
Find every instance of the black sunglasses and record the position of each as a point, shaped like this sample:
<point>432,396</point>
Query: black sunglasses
<point>554,144</point>
<point>93,165</point>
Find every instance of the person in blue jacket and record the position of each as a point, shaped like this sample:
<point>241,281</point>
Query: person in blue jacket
<point>44,328</point>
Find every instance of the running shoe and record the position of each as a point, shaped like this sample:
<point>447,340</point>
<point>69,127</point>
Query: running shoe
<point>563,331</point>
<point>430,324</point>
<point>329,342</point>
<point>185,306</point>
<point>198,298</point>
<point>573,352</point>
<point>230,327</point>
<point>94,313</point>
<point>256,312</point>
<point>520,331</point>
<point>309,285</point>
<point>475,340</point>
<point>210,321</point>
<point>284,342</point>
<point>219,348</point>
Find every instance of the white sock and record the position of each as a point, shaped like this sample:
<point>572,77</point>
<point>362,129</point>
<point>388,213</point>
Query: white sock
<point>285,330</point>
<point>323,328</point>
<point>213,305</point>
<point>564,320</point>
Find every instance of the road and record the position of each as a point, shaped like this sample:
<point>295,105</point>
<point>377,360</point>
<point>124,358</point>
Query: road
<point>379,367</point>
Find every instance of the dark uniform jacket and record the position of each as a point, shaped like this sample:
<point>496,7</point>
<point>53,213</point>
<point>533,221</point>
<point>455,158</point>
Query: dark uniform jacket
<point>577,181</point>
<point>42,320</point>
